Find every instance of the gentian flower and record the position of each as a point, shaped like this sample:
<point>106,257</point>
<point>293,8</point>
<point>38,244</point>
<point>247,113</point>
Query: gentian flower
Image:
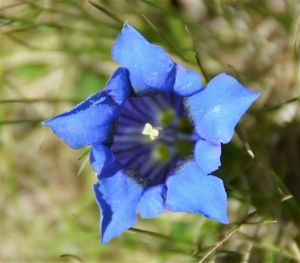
<point>155,134</point>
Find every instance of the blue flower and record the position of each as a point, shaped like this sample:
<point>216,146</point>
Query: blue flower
<point>155,134</point>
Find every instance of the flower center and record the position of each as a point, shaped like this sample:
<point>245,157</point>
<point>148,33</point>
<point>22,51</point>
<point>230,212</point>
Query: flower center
<point>153,136</point>
<point>150,131</point>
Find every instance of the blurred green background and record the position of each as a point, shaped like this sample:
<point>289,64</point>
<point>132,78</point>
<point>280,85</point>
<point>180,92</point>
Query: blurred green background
<point>54,53</point>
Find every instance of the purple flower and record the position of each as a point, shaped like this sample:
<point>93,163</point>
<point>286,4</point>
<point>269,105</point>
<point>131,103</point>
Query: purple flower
<point>155,134</point>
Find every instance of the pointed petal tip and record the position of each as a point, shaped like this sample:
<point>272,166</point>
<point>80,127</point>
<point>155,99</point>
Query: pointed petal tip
<point>256,95</point>
<point>107,236</point>
<point>44,123</point>
<point>252,95</point>
<point>104,240</point>
<point>126,25</point>
<point>220,217</point>
<point>225,220</point>
<point>48,122</point>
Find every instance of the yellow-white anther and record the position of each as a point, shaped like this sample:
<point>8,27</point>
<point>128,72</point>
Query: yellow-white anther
<point>150,131</point>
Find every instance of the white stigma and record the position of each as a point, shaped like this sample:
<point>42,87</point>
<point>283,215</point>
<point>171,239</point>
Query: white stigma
<point>150,131</point>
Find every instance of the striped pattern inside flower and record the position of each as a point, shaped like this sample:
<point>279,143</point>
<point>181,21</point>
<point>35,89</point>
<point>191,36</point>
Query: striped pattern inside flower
<point>153,135</point>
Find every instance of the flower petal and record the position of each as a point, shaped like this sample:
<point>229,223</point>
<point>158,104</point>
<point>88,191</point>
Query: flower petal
<point>150,69</point>
<point>187,81</point>
<point>92,121</point>
<point>103,161</point>
<point>207,154</point>
<point>190,190</point>
<point>118,86</point>
<point>117,193</point>
<point>216,109</point>
<point>151,203</point>
<point>117,197</point>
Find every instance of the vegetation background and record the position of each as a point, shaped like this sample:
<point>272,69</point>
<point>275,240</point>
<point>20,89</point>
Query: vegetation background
<point>57,52</point>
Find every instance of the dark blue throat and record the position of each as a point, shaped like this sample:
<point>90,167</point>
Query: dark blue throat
<point>153,136</point>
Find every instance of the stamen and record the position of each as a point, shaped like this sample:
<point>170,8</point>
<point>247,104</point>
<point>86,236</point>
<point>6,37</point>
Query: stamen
<point>150,131</point>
